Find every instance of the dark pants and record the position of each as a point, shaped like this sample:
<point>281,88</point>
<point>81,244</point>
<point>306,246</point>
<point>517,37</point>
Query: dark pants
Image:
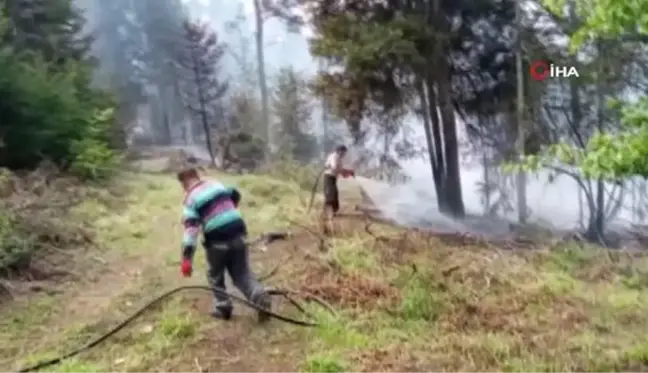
<point>331,193</point>
<point>231,255</point>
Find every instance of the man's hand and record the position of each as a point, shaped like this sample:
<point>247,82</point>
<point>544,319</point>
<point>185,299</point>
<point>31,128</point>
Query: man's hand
<point>348,173</point>
<point>236,197</point>
<point>186,268</point>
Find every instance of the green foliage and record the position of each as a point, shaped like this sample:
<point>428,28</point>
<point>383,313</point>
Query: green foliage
<point>367,49</point>
<point>605,18</point>
<point>623,154</point>
<point>607,155</point>
<point>94,159</point>
<point>324,364</point>
<point>49,112</point>
<point>293,113</point>
<point>49,29</point>
<point>48,115</point>
<point>15,246</point>
<point>421,300</point>
<point>290,170</point>
<point>240,150</point>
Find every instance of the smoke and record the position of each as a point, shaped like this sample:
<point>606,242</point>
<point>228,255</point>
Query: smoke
<point>553,204</point>
<point>414,205</point>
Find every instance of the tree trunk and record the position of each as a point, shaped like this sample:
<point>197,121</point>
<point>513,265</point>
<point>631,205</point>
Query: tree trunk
<point>596,226</point>
<point>580,207</point>
<point>521,180</point>
<point>614,204</point>
<point>634,202</point>
<point>596,230</point>
<point>451,151</point>
<point>187,133</point>
<point>167,127</point>
<point>437,160</point>
<point>451,201</point>
<point>487,182</point>
<point>436,174</point>
<point>259,35</point>
<point>203,111</point>
<point>207,129</point>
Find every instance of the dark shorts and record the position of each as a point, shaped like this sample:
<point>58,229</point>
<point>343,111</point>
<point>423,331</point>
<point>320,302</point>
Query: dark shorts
<point>331,193</point>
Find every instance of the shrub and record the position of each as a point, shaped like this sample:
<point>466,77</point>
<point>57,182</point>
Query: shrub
<point>15,245</point>
<point>291,170</point>
<point>52,115</point>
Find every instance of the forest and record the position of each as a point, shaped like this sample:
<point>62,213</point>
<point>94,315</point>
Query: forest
<point>90,88</point>
<point>83,85</point>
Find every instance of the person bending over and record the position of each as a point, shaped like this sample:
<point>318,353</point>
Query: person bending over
<point>214,208</point>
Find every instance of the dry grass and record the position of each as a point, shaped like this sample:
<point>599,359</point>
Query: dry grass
<point>405,300</point>
<point>344,288</point>
<point>42,228</point>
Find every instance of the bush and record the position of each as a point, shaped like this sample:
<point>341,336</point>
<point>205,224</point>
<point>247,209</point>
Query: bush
<point>38,217</point>
<point>293,171</point>
<point>15,245</point>
<point>52,115</point>
<point>240,150</point>
<point>93,157</point>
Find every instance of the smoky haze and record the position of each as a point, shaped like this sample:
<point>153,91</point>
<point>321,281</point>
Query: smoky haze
<point>554,201</point>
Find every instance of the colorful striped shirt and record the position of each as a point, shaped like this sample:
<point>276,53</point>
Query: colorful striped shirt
<point>208,205</point>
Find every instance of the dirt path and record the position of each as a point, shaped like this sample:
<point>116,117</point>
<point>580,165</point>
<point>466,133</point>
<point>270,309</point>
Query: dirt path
<point>46,323</point>
<point>142,263</point>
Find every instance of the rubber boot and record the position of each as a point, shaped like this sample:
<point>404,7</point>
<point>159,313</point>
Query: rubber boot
<point>221,312</point>
<point>264,301</point>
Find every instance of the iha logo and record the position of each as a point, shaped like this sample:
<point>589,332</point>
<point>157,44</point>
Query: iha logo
<point>541,70</point>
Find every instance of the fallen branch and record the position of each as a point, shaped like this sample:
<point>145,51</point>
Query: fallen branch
<point>199,367</point>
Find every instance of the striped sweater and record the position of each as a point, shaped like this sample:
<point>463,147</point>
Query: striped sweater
<point>208,205</point>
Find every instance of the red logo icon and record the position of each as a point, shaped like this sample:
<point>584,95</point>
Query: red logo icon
<point>539,70</point>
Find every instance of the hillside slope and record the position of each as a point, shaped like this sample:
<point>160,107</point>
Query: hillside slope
<point>404,300</point>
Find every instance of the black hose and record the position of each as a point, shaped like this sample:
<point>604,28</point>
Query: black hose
<point>155,301</point>
<point>266,238</point>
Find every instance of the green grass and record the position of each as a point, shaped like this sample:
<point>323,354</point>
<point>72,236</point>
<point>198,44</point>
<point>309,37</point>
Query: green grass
<point>326,363</point>
<point>465,308</point>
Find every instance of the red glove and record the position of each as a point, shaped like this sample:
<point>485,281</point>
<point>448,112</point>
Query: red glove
<point>186,268</point>
<point>348,173</point>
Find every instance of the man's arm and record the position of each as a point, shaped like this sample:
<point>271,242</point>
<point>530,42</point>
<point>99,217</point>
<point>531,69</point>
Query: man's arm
<point>341,170</point>
<point>191,224</point>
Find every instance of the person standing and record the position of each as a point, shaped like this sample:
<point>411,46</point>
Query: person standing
<point>333,168</point>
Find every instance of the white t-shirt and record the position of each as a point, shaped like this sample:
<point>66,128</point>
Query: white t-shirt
<point>333,164</point>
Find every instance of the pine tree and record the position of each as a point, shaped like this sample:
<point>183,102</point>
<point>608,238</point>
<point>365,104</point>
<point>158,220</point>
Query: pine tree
<point>292,111</point>
<point>138,43</point>
<point>52,28</point>
<point>203,88</point>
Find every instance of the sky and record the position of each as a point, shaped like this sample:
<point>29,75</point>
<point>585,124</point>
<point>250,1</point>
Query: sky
<point>282,48</point>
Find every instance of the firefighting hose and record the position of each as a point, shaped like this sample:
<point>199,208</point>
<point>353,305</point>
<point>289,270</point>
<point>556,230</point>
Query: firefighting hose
<point>264,239</point>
